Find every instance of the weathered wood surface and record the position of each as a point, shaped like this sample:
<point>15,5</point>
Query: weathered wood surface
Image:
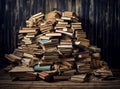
<point>100,18</point>
<point>7,83</point>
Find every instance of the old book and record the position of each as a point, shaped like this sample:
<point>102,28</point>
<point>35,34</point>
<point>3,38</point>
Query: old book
<point>34,20</point>
<point>64,32</point>
<point>75,19</point>
<point>66,18</point>
<point>62,22</point>
<point>43,37</point>
<point>12,57</point>
<point>103,72</point>
<point>28,30</point>
<point>51,16</point>
<point>44,41</point>
<point>64,68</point>
<point>78,23</point>
<point>67,13</point>
<point>59,20</point>
<point>23,73</point>
<point>61,28</point>
<point>74,27</point>
<point>83,67</point>
<point>62,25</point>
<point>86,60</point>
<point>69,59</point>
<point>38,15</point>
<point>21,69</point>
<point>43,75</point>
<point>51,58</point>
<point>65,51</point>
<point>80,34</point>
<point>30,35</point>
<point>33,46</point>
<point>28,55</point>
<point>49,42</point>
<point>69,72</point>
<point>53,34</point>
<point>67,42</point>
<point>18,53</point>
<point>84,55</point>
<point>39,68</point>
<point>44,63</point>
<point>20,36</point>
<point>26,61</point>
<point>94,49</point>
<point>27,40</point>
<point>82,42</point>
<point>96,55</point>
<point>78,78</point>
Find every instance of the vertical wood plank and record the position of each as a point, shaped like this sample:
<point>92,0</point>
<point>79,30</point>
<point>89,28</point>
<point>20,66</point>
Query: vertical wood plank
<point>100,18</point>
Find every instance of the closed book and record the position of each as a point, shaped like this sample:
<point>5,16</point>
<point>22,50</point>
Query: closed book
<point>65,46</point>
<point>53,34</point>
<point>12,57</point>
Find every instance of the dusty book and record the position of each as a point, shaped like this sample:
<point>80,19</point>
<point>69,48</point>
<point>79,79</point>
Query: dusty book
<point>78,78</point>
<point>53,34</point>
<point>12,57</point>
<point>23,73</point>
<point>28,30</point>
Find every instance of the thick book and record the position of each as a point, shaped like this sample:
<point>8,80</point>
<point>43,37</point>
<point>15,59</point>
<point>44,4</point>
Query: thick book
<point>66,33</point>
<point>78,78</point>
<point>12,57</point>
<point>23,73</point>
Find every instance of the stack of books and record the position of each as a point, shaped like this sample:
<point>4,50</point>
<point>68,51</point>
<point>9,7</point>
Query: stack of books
<point>56,50</point>
<point>35,20</point>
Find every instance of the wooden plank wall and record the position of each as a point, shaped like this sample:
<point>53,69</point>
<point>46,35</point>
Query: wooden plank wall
<point>100,18</point>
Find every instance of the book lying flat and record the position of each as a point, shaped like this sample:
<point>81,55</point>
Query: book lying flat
<point>65,46</point>
<point>12,57</point>
<point>53,34</point>
<point>28,30</point>
<point>21,69</point>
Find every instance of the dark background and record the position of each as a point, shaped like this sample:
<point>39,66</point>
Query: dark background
<point>100,18</point>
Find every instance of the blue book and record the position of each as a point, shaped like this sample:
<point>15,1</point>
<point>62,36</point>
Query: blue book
<point>44,41</point>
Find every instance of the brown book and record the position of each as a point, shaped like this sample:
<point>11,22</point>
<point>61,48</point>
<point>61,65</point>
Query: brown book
<point>66,18</point>
<point>67,13</point>
<point>66,33</point>
<point>12,57</point>
<point>28,30</point>
<point>78,78</point>
<point>23,73</point>
<point>46,74</point>
<point>84,55</point>
<point>53,34</point>
<point>28,55</point>
<point>69,72</point>
<point>67,42</point>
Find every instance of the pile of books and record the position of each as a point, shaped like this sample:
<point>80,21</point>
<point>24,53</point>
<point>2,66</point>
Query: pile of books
<point>55,48</point>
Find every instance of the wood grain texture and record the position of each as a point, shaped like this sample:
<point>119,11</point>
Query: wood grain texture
<point>7,83</point>
<point>100,18</point>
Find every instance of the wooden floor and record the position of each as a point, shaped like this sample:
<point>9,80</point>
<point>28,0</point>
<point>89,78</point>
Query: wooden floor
<point>7,83</point>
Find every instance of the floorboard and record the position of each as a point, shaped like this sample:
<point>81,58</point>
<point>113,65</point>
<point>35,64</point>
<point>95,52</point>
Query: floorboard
<point>7,83</point>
